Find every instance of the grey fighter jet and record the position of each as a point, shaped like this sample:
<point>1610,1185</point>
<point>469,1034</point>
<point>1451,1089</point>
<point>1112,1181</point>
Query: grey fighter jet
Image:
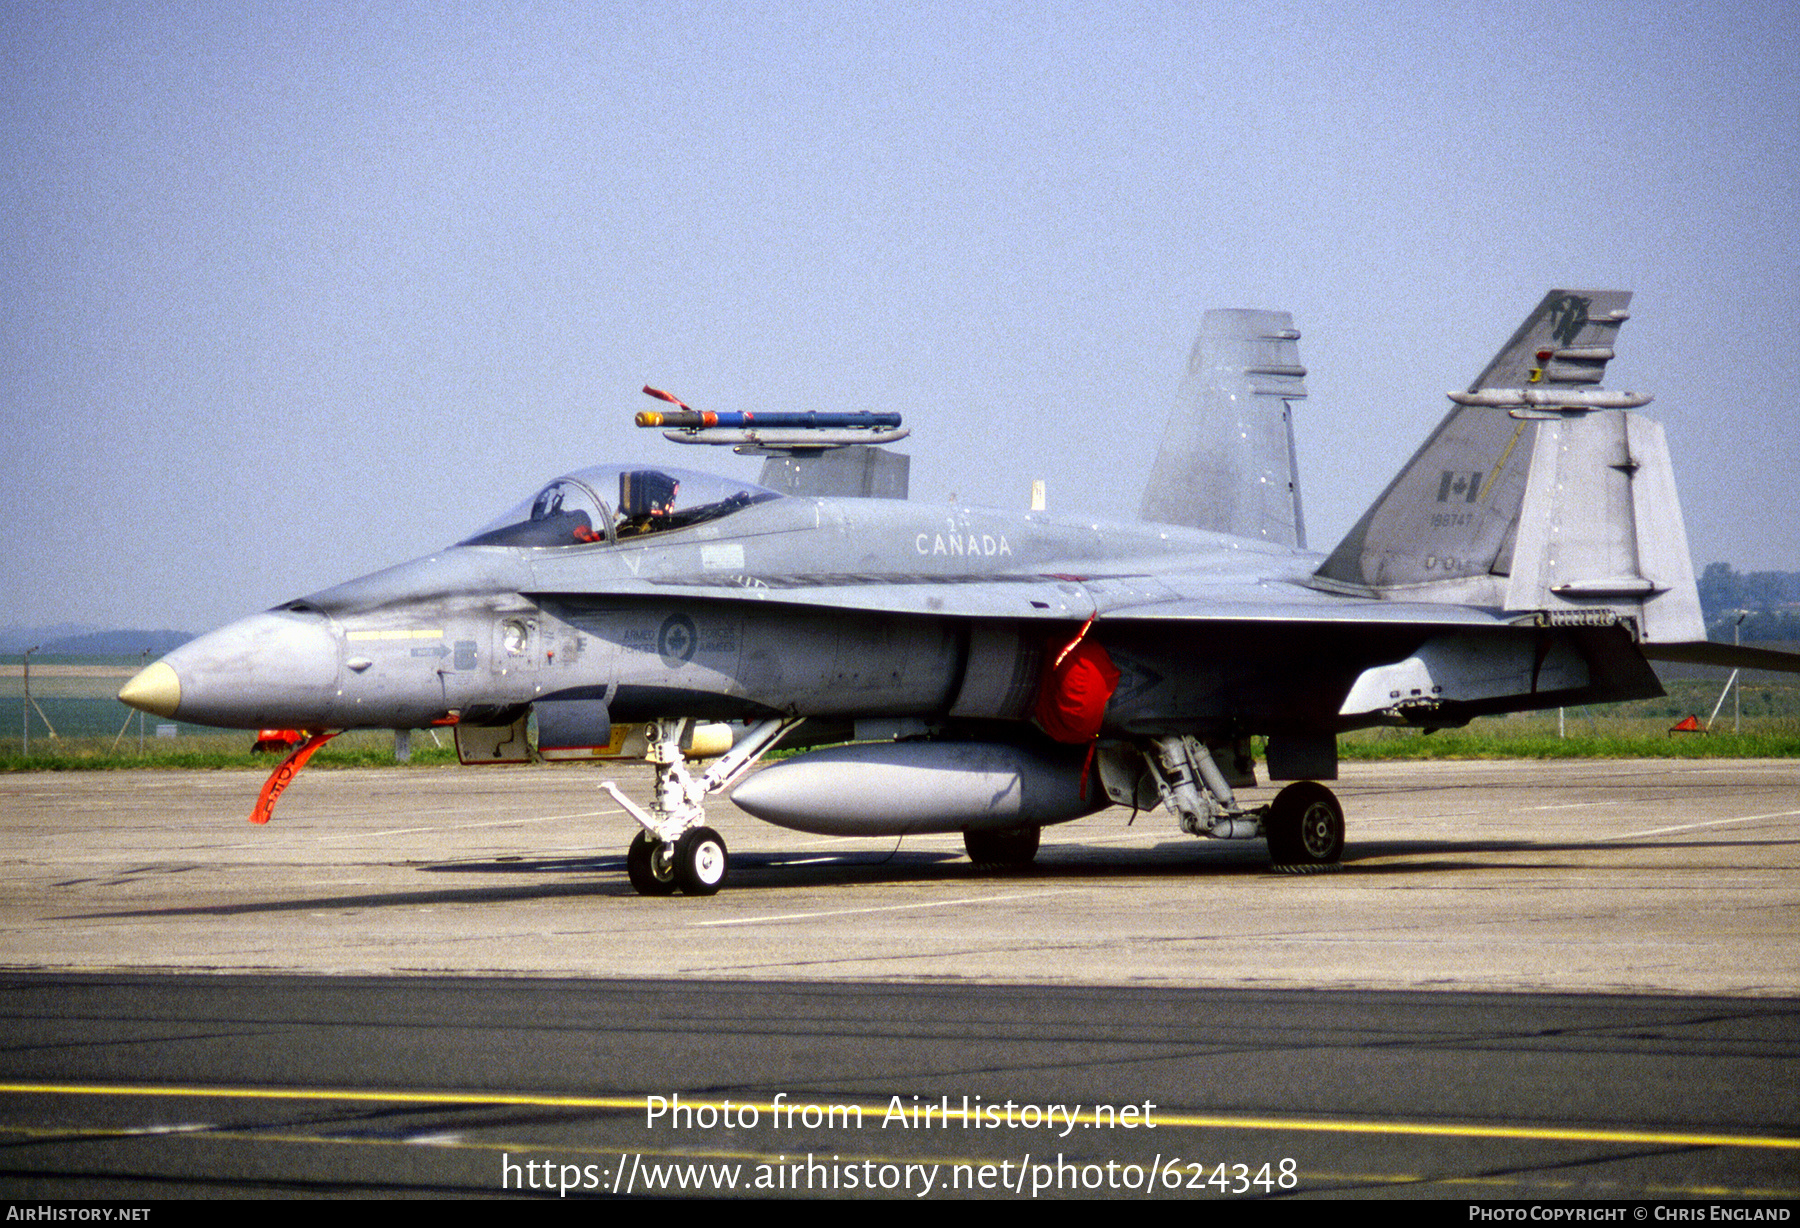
<point>990,672</point>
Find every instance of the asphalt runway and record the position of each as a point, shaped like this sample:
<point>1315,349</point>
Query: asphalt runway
<point>1529,980</point>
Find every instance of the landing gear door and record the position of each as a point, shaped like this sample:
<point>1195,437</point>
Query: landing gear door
<point>1125,776</point>
<point>479,744</point>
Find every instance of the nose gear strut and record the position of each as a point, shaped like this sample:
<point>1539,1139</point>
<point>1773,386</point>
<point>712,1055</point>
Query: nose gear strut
<point>675,850</point>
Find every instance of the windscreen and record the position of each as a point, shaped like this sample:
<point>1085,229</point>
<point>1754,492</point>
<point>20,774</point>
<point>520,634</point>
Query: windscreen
<point>610,503</point>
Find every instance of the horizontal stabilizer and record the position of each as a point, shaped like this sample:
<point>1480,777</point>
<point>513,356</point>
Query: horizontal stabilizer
<point>1725,656</point>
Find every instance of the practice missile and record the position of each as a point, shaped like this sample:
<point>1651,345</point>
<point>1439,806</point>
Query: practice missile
<point>694,419</point>
<point>905,788</point>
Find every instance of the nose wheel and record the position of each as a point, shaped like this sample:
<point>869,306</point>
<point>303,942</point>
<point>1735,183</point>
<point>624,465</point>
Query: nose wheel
<point>650,865</point>
<point>694,864</point>
<point>701,861</point>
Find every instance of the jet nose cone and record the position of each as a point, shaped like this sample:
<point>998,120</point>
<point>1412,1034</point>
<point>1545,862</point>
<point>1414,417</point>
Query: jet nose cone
<point>155,689</point>
<point>277,669</point>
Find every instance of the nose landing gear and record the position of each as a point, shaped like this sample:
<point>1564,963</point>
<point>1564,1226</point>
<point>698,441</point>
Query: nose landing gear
<point>676,851</point>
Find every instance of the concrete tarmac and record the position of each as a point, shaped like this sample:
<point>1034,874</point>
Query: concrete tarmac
<point>1529,980</point>
<point>136,1086</point>
<point>1580,876</point>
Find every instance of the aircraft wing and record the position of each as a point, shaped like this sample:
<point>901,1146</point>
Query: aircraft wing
<point>1055,598</point>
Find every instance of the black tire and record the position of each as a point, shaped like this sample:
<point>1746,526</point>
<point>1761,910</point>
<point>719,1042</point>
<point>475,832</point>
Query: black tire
<point>642,864</point>
<point>701,861</point>
<point>1305,828</point>
<point>1017,846</point>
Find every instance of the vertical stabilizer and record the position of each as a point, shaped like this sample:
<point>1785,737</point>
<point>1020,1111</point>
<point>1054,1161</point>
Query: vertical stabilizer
<point>1448,520</point>
<point>1538,493</point>
<point>1227,458</point>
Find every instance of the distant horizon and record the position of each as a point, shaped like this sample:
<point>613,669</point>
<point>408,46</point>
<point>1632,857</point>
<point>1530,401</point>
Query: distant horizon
<point>15,640</point>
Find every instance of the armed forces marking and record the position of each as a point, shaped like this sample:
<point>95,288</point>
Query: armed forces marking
<point>679,639</point>
<point>676,641</point>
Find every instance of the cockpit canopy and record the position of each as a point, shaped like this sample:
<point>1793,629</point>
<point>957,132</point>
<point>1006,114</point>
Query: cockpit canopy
<point>611,503</point>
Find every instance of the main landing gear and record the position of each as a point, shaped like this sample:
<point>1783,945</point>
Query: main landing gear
<point>1304,824</point>
<point>1306,829</point>
<point>676,851</point>
<point>1000,850</point>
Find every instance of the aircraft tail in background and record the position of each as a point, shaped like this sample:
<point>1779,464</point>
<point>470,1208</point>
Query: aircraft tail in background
<point>1227,458</point>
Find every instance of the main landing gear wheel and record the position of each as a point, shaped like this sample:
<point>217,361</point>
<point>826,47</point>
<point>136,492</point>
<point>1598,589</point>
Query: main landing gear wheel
<point>1015,847</point>
<point>1306,829</point>
<point>650,866</point>
<point>701,861</point>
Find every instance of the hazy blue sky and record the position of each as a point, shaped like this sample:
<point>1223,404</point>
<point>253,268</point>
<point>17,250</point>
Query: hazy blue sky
<point>295,291</point>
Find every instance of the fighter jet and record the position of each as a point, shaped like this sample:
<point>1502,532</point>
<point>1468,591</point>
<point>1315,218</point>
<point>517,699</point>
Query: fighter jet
<point>967,669</point>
